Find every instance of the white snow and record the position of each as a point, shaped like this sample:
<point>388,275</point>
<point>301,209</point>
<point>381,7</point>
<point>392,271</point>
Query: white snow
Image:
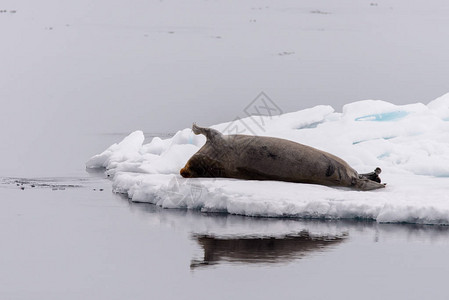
<point>409,142</point>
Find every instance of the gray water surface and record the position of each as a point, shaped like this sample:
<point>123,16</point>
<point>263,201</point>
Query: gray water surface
<point>70,237</point>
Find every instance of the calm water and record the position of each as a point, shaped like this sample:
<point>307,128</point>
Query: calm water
<point>70,237</point>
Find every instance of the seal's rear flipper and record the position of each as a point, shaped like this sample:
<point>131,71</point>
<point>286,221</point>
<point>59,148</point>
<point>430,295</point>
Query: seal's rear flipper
<point>364,184</point>
<point>210,133</point>
<point>374,176</point>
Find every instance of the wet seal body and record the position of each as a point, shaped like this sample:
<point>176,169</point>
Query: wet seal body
<point>268,158</point>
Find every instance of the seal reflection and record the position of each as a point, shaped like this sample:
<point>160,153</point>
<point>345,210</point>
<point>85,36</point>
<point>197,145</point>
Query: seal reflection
<point>268,250</point>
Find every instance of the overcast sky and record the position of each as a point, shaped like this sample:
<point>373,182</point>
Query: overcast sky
<point>88,67</point>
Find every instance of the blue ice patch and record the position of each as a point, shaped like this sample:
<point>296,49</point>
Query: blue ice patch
<point>385,117</point>
<point>385,138</point>
<point>384,155</point>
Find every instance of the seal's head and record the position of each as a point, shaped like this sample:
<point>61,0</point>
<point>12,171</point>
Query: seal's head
<point>195,167</point>
<point>185,172</point>
<point>201,165</point>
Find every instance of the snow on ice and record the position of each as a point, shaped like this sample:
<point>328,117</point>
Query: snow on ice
<point>409,142</point>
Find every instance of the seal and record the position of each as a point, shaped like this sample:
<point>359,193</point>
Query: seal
<point>268,158</point>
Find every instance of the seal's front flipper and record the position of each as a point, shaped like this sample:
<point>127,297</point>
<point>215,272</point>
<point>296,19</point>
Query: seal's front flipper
<point>210,133</point>
<point>374,176</point>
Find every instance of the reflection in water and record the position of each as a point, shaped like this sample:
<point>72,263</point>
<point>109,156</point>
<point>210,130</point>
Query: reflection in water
<point>224,238</point>
<point>261,249</point>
